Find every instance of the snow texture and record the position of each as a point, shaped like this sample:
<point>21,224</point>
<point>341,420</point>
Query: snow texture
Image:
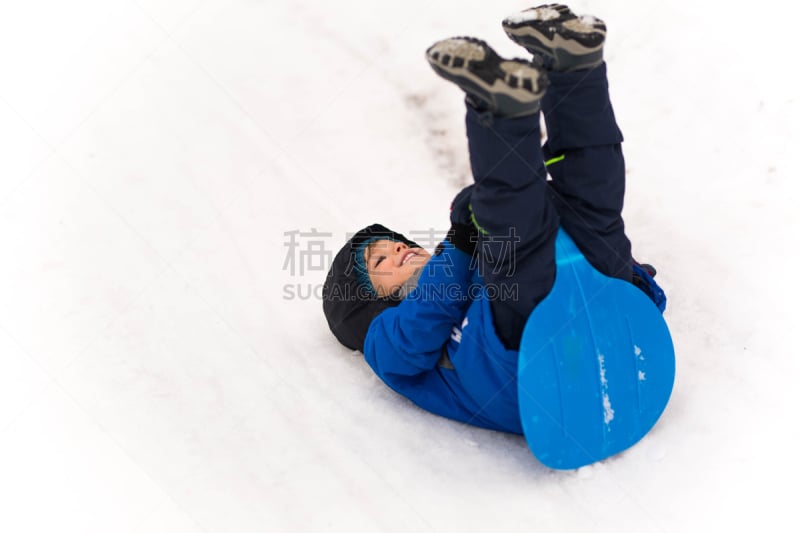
<point>544,13</point>
<point>165,362</point>
<point>608,411</point>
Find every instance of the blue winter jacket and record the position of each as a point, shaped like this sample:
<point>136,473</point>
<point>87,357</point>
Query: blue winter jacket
<point>439,349</point>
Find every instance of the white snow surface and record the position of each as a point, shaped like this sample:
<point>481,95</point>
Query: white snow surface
<point>543,13</point>
<point>166,365</point>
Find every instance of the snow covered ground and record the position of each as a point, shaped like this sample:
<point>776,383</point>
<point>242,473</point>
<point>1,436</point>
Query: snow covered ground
<point>172,175</point>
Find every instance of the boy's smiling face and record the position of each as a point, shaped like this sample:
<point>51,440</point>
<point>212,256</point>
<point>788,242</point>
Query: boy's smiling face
<point>391,263</point>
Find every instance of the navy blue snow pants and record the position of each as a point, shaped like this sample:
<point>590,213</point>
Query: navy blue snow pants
<point>518,211</point>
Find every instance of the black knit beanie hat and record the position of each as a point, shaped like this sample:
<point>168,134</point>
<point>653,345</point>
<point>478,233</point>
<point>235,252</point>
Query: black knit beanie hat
<point>348,298</point>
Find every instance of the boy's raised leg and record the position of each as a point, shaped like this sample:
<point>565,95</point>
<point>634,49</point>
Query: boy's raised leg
<point>510,202</point>
<point>583,140</point>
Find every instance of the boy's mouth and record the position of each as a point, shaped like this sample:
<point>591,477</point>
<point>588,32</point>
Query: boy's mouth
<point>407,257</point>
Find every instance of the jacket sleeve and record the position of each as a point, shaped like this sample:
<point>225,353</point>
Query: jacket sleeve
<point>408,339</point>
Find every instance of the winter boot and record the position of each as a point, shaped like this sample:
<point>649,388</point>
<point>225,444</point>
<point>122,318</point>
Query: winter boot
<point>565,41</point>
<point>505,87</point>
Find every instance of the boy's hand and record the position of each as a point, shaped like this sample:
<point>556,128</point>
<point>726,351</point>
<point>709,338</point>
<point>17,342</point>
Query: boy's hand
<point>462,234</point>
<point>459,208</point>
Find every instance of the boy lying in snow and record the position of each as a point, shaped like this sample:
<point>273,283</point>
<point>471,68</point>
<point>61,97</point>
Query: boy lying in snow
<point>444,330</point>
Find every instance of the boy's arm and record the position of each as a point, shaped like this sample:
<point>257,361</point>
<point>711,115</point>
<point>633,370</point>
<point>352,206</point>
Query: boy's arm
<point>408,339</point>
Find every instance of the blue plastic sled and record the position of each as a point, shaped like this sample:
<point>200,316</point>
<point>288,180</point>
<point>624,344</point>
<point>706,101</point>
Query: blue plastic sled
<point>596,365</point>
